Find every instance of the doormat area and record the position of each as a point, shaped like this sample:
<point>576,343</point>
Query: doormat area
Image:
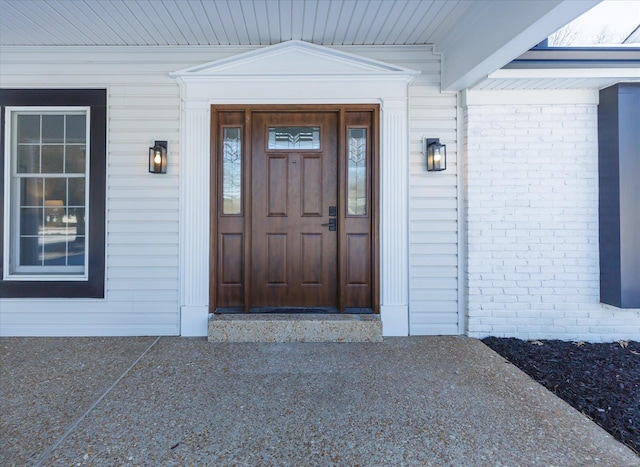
<point>296,310</point>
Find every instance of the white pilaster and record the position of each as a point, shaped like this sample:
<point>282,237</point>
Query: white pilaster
<point>194,219</point>
<point>394,261</point>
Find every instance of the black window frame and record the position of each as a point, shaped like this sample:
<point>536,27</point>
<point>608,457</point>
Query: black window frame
<point>96,100</point>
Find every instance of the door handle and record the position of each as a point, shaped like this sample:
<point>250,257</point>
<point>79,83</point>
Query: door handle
<point>331,224</point>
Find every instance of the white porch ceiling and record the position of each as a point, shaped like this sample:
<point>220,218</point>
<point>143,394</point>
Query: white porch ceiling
<point>476,37</point>
<point>226,22</point>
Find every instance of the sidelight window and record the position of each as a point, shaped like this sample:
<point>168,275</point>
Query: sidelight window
<point>357,172</point>
<point>232,170</point>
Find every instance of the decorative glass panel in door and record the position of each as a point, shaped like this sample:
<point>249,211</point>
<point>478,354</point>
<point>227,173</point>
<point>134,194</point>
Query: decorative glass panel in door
<point>294,138</point>
<point>357,172</point>
<point>232,170</point>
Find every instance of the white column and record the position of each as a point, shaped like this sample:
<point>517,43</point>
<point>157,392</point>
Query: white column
<point>194,219</point>
<point>394,260</point>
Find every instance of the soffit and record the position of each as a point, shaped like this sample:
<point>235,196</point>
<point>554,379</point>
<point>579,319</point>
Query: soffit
<point>227,22</point>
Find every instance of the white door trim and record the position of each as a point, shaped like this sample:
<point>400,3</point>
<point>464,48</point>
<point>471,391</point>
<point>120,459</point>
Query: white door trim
<point>265,76</point>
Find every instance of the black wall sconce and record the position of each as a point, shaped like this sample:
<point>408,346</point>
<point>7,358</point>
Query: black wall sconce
<point>436,154</point>
<point>158,158</point>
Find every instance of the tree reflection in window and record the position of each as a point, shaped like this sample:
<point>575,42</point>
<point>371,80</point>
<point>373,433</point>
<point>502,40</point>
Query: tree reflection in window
<point>357,172</point>
<point>232,171</point>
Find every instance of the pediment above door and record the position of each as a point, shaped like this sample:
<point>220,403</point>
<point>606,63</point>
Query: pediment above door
<point>296,58</point>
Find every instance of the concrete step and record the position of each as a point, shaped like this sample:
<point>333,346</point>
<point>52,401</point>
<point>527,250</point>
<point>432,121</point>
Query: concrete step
<point>292,327</point>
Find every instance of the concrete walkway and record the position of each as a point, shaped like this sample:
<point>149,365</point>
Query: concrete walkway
<point>179,401</point>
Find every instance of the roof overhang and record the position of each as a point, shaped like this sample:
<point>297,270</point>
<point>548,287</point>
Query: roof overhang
<point>567,68</point>
<point>490,36</point>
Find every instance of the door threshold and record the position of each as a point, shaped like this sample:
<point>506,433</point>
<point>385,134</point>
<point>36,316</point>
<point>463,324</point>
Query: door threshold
<point>294,310</point>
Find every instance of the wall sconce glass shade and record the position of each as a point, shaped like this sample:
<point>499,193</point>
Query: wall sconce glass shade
<point>436,154</point>
<point>158,158</point>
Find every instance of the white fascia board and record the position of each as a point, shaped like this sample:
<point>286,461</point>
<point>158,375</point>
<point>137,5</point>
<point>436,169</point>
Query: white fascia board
<point>530,97</point>
<point>498,33</point>
<point>566,73</point>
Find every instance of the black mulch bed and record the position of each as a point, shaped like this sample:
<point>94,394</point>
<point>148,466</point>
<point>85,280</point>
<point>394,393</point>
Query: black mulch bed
<point>600,380</point>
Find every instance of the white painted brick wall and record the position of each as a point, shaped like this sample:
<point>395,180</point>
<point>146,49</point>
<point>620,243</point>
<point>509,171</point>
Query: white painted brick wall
<point>532,225</point>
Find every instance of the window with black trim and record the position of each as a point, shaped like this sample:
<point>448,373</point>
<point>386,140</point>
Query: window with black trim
<point>53,159</point>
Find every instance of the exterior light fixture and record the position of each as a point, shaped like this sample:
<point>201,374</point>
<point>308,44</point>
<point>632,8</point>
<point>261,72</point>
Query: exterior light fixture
<point>436,154</point>
<point>158,158</point>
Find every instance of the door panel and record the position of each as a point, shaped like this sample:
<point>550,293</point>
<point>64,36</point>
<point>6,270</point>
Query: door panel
<point>311,253</point>
<point>277,185</point>
<point>293,255</point>
<point>230,250</point>
<point>311,186</point>
<point>358,260</point>
<point>276,259</point>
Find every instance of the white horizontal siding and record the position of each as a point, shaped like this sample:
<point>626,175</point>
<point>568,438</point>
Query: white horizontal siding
<point>433,207</point>
<point>82,317</point>
<point>142,267</point>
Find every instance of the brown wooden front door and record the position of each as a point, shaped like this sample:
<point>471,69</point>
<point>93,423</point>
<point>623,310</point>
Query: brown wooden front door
<point>281,175</point>
<point>294,203</point>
